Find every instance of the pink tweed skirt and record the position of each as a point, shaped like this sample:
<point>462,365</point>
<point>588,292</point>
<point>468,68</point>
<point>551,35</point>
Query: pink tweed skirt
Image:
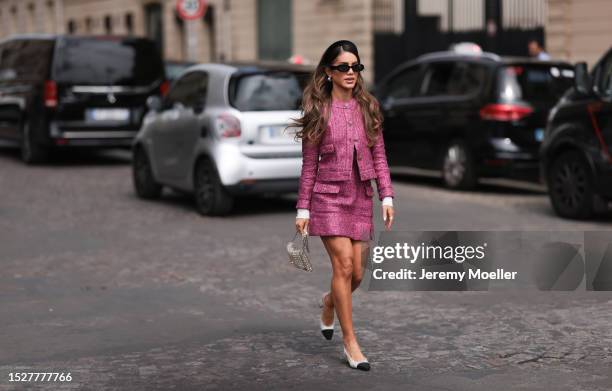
<point>346,213</point>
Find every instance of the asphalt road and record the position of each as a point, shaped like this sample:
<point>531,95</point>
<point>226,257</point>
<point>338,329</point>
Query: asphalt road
<point>132,295</point>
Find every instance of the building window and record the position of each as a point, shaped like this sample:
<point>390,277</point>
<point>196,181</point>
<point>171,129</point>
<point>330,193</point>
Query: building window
<point>209,25</point>
<point>88,25</point>
<point>129,23</point>
<point>108,24</point>
<point>13,18</point>
<point>274,29</point>
<point>51,17</point>
<point>71,26</point>
<point>180,28</point>
<point>31,15</point>
<point>154,24</point>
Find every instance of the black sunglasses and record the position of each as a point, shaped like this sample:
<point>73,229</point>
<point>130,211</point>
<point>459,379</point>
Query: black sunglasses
<point>345,67</point>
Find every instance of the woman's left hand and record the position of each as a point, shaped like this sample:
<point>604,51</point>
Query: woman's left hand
<point>388,216</point>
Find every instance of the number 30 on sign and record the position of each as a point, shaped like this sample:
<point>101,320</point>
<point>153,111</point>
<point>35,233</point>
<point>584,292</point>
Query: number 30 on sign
<point>191,9</point>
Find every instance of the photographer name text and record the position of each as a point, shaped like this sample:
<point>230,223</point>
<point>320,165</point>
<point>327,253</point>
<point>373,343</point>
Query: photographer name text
<point>424,274</point>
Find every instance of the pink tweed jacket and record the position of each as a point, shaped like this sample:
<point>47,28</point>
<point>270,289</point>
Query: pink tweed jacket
<point>331,160</point>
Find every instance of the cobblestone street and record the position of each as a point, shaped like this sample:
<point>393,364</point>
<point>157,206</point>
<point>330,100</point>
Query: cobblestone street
<point>132,295</point>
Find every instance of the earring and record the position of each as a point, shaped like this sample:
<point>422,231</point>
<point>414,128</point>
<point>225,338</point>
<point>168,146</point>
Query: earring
<point>328,78</point>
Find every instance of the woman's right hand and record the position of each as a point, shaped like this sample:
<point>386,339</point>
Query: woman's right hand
<point>301,225</point>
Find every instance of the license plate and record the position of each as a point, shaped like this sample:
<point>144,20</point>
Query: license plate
<point>276,134</point>
<point>539,134</point>
<point>108,114</point>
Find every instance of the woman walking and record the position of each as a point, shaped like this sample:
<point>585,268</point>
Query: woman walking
<point>342,150</point>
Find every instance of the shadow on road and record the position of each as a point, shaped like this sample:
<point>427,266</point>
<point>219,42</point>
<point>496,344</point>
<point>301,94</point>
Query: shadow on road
<point>486,186</point>
<point>75,157</point>
<point>243,206</point>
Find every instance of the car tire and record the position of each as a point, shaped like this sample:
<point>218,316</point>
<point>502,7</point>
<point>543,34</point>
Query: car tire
<point>145,184</point>
<point>458,170</point>
<point>31,151</point>
<point>210,196</point>
<point>570,186</point>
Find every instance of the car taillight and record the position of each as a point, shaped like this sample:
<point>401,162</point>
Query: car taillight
<point>228,126</point>
<point>504,112</point>
<point>164,87</point>
<point>50,94</point>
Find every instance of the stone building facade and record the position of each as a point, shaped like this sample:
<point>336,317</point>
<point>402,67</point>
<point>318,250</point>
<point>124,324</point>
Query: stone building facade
<point>231,29</point>
<point>277,29</point>
<point>579,30</point>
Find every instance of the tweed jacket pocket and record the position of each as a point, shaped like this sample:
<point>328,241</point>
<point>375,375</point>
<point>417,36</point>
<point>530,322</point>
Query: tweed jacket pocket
<point>328,158</point>
<point>327,148</point>
<point>326,188</point>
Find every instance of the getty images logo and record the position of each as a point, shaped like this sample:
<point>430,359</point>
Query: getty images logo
<point>410,253</point>
<point>544,260</point>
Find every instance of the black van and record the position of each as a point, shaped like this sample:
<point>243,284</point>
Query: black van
<point>577,148</point>
<point>67,91</point>
<point>470,115</point>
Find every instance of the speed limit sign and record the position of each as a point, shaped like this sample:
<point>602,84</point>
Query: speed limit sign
<point>191,9</point>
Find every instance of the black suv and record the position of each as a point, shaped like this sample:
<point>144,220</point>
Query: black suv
<point>63,91</point>
<point>577,148</point>
<point>470,115</point>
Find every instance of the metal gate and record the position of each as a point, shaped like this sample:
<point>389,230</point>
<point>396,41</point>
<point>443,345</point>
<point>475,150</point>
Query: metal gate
<point>499,26</point>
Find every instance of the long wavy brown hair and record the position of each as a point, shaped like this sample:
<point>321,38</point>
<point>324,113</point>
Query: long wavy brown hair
<point>316,100</point>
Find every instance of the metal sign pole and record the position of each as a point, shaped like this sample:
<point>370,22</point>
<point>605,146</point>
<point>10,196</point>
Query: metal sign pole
<point>192,40</point>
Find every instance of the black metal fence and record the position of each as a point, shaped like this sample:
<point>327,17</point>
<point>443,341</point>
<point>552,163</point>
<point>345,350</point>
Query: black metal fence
<point>422,34</point>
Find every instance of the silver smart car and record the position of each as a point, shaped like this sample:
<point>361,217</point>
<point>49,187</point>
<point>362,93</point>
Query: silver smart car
<point>220,133</point>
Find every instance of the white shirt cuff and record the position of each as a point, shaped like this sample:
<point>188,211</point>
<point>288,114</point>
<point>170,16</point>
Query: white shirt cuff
<point>303,214</point>
<point>388,201</point>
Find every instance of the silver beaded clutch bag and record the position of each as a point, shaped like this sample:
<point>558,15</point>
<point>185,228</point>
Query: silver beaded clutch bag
<point>298,253</point>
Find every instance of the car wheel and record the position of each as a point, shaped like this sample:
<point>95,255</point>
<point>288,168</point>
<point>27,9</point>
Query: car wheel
<point>144,181</point>
<point>570,186</point>
<point>211,197</point>
<point>31,152</point>
<point>458,167</point>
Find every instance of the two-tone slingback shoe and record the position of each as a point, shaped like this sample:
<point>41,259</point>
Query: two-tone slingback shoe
<point>326,330</point>
<point>362,365</point>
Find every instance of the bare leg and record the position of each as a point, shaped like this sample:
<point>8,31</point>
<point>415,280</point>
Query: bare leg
<point>346,258</point>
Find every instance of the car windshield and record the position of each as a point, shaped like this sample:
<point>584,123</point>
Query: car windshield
<point>92,61</point>
<point>267,91</point>
<point>534,82</point>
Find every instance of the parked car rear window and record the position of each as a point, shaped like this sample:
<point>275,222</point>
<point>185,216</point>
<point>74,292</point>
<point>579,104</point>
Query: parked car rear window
<point>404,85</point>
<point>267,91</point>
<point>25,59</point>
<point>534,82</point>
<point>453,78</point>
<point>93,61</point>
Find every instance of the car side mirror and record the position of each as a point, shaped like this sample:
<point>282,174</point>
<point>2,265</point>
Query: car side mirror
<point>582,80</point>
<point>154,103</point>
